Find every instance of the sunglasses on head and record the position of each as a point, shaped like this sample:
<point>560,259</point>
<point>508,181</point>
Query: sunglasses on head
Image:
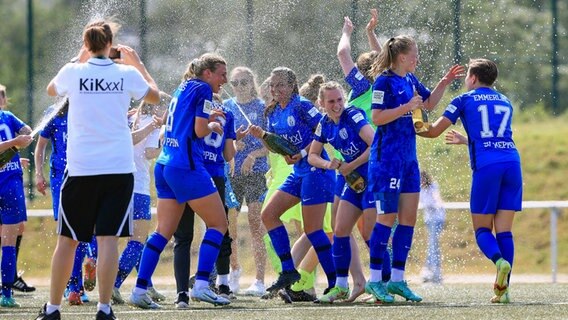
<point>242,82</point>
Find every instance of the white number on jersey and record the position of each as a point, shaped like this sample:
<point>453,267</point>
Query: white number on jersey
<point>171,109</point>
<point>214,139</point>
<point>7,132</point>
<point>395,183</point>
<point>486,131</point>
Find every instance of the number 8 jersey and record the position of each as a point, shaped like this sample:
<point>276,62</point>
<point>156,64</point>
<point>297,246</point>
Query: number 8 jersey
<point>486,116</point>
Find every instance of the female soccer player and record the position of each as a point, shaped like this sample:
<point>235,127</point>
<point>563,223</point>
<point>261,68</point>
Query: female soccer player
<point>497,183</point>
<point>348,131</point>
<point>251,164</point>
<point>13,133</point>
<point>181,177</point>
<point>295,118</point>
<point>394,176</point>
<point>98,182</point>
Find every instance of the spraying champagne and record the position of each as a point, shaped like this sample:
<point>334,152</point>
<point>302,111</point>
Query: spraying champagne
<point>7,155</point>
<point>420,119</point>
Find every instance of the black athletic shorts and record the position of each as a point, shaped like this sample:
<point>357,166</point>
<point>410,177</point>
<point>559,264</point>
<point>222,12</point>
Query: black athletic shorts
<point>250,187</point>
<point>96,205</point>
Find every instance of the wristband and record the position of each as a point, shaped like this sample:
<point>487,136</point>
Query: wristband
<point>304,153</point>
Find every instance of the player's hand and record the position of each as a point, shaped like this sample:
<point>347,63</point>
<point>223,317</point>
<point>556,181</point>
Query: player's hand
<point>415,103</point>
<point>215,127</point>
<point>23,141</point>
<point>41,184</point>
<point>347,26</point>
<point>25,162</point>
<point>215,115</point>
<point>247,165</point>
<point>128,56</point>
<point>333,164</point>
<point>374,21</point>
<point>157,122</point>
<point>455,72</point>
<point>293,159</point>
<point>345,168</point>
<point>256,131</point>
<point>455,137</point>
<point>242,132</point>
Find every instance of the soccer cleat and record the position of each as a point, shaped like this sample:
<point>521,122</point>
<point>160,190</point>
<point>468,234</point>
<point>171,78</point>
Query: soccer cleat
<point>74,298</point>
<point>269,295</point>
<point>501,281</point>
<point>117,297</point>
<point>103,316</point>
<point>285,279</point>
<point>205,294</point>
<point>56,315</point>
<point>256,289</point>
<point>84,296</point>
<point>379,292</point>
<point>20,285</point>
<point>90,276</point>
<point>234,278</point>
<point>287,294</point>
<point>155,295</point>
<point>6,302</point>
<point>505,298</point>
<point>224,291</point>
<point>401,288</point>
<point>182,301</point>
<point>336,293</point>
<point>143,301</point>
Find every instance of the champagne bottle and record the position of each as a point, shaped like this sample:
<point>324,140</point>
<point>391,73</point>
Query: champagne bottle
<point>279,144</point>
<point>7,155</point>
<point>356,182</point>
<point>420,120</point>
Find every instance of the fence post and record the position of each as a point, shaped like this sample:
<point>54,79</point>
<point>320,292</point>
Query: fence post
<point>554,212</point>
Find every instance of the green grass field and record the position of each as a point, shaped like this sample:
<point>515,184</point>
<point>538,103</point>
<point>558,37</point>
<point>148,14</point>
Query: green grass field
<point>454,301</point>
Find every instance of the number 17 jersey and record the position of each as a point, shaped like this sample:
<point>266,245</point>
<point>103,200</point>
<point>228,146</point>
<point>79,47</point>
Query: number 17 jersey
<point>486,116</point>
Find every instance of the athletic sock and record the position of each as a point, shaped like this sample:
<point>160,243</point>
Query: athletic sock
<point>378,245</point>
<point>128,260</point>
<point>18,243</point>
<point>322,245</point>
<point>150,257</point>
<point>271,253</point>
<point>281,243</point>
<point>208,252</point>
<point>75,281</point>
<point>8,265</point>
<point>506,246</point>
<point>488,244</point>
<point>341,255</point>
<point>386,271</point>
<point>401,244</point>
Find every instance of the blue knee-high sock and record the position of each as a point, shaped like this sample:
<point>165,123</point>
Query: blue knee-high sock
<point>281,243</point>
<point>93,248</point>
<point>386,271</point>
<point>378,246</point>
<point>128,260</point>
<point>208,252</point>
<point>341,255</point>
<point>506,246</point>
<point>401,243</point>
<point>488,244</point>
<point>8,266</point>
<point>150,257</point>
<point>322,245</point>
<point>76,279</point>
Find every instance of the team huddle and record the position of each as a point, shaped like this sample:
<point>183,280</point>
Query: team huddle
<point>354,163</point>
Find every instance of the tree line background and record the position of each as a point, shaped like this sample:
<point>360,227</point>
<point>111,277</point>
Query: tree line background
<point>300,34</point>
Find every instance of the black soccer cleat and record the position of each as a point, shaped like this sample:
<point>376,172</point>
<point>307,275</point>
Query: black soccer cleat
<point>20,285</point>
<point>285,279</point>
<point>52,316</point>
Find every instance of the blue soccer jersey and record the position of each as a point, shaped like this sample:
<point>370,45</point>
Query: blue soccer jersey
<point>486,116</point>
<point>344,135</point>
<point>296,123</point>
<point>254,111</point>
<point>214,144</point>
<point>395,140</point>
<point>10,125</point>
<point>56,132</point>
<point>182,148</point>
<point>358,83</point>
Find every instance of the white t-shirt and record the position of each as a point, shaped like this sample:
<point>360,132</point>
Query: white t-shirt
<point>432,203</point>
<point>99,139</point>
<point>142,174</point>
